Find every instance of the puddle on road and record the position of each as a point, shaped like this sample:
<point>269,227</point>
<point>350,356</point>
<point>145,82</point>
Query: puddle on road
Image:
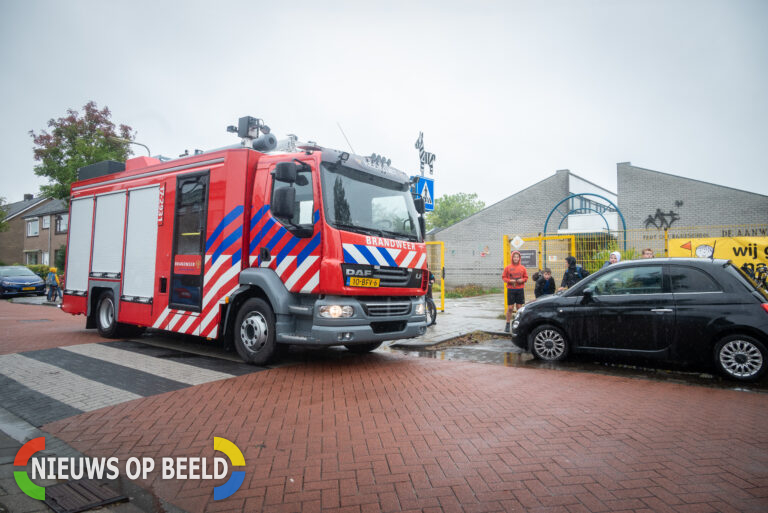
<point>503,352</point>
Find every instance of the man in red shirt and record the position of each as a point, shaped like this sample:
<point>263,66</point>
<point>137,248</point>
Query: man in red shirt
<point>515,277</point>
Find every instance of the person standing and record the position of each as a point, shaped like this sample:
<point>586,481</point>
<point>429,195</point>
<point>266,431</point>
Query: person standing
<point>545,284</point>
<point>647,253</point>
<point>53,284</point>
<point>515,277</point>
<point>615,257</point>
<point>573,274</point>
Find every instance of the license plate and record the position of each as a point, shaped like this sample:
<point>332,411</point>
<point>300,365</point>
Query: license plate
<point>356,281</point>
<point>28,288</point>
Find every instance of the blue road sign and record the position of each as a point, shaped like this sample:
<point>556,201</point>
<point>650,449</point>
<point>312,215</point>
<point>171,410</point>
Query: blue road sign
<point>425,187</point>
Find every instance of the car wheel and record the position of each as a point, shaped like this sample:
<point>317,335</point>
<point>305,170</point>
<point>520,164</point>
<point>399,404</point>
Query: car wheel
<point>106,320</point>
<point>741,357</point>
<point>362,348</point>
<point>549,343</point>
<point>255,332</point>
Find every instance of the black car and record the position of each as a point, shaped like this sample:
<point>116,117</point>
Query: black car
<point>17,280</point>
<point>680,309</point>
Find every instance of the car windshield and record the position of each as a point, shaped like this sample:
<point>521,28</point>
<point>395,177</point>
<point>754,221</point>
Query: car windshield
<point>8,272</point>
<point>364,203</point>
<point>756,280</point>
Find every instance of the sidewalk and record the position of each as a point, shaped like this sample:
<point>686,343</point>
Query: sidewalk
<point>461,316</point>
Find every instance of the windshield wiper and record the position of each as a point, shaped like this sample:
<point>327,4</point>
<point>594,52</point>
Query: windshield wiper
<point>397,235</point>
<point>364,229</point>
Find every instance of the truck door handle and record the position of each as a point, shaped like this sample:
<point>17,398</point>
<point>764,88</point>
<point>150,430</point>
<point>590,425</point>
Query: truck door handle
<point>265,255</point>
<point>662,310</point>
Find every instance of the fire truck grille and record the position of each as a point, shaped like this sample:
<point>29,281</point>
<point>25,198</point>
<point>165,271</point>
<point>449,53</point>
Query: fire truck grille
<point>393,276</point>
<point>384,308</point>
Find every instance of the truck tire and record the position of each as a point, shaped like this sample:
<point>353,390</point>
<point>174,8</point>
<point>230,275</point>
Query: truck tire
<point>362,348</point>
<point>106,320</point>
<point>254,332</point>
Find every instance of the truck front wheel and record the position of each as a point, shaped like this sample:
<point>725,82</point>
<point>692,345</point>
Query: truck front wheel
<point>255,332</point>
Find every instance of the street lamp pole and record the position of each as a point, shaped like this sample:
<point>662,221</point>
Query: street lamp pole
<point>128,141</point>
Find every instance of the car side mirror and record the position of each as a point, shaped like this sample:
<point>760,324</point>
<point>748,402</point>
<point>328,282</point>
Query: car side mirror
<point>587,296</point>
<point>284,202</point>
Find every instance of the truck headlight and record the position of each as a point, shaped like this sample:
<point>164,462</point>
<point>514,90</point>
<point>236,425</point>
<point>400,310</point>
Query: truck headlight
<point>420,308</point>
<point>336,311</point>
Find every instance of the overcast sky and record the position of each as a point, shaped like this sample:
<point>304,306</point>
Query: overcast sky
<point>505,92</point>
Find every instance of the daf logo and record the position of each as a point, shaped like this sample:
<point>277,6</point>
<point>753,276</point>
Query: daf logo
<point>359,272</point>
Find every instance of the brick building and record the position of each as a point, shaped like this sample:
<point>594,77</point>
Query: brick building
<point>12,240</point>
<point>647,200</point>
<point>45,232</point>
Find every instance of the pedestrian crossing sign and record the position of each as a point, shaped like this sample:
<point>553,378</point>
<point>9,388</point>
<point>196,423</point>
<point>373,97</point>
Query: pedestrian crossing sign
<point>425,188</point>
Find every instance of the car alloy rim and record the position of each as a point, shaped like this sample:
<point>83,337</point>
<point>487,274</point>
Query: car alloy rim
<point>106,313</point>
<point>254,331</point>
<point>741,358</point>
<point>549,344</point>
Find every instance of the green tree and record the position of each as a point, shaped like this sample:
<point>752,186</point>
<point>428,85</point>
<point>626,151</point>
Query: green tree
<point>452,208</point>
<point>75,141</point>
<point>3,214</point>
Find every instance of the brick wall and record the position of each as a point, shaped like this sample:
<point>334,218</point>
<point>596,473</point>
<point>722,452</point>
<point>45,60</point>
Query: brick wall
<point>12,242</point>
<point>643,191</point>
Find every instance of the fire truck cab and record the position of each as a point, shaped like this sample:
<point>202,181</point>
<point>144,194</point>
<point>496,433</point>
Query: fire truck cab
<point>250,244</point>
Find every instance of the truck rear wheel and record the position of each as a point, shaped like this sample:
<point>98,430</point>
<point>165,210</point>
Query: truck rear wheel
<point>106,320</point>
<point>254,332</point>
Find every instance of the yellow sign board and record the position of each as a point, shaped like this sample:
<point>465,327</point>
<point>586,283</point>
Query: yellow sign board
<point>740,250</point>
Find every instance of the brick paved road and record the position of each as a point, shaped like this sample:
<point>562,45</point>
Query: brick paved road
<point>392,433</point>
<point>387,432</point>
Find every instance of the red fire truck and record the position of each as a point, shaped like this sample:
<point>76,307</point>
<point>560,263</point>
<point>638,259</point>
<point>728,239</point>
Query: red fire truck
<point>257,244</point>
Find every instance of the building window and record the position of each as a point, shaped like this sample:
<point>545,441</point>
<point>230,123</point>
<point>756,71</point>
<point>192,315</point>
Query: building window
<point>46,222</point>
<point>62,222</point>
<point>45,258</point>
<point>33,228</point>
<point>59,258</point>
<point>32,258</point>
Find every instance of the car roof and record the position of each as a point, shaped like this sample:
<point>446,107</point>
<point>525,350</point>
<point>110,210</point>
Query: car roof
<point>718,262</point>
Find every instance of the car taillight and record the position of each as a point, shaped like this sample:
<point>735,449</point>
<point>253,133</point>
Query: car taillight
<point>765,307</point>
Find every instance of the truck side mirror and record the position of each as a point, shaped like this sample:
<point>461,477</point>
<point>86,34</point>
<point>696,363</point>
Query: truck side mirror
<point>419,202</point>
<point>284,202</point>
<point>286,172</point>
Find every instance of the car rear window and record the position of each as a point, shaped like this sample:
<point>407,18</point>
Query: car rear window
<point>688,279</point>
<point>745,279</point>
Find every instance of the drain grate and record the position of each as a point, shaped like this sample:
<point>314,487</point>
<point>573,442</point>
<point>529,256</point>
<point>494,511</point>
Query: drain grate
<point>77,496</point>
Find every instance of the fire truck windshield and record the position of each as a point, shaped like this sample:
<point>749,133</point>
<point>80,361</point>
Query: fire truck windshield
<point>364,203</point>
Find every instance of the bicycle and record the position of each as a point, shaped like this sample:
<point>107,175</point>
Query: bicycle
<point>431,311</point>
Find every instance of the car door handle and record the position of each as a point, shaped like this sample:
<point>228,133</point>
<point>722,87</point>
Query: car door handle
<point>662,310</point>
